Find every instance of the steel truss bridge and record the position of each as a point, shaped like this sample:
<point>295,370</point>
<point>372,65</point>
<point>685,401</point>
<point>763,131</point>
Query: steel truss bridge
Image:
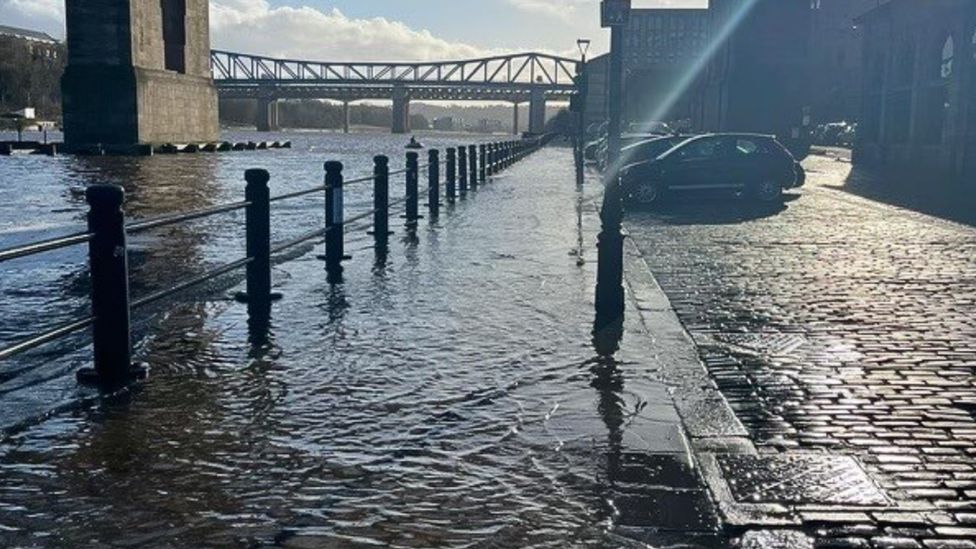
<point>520,78</point>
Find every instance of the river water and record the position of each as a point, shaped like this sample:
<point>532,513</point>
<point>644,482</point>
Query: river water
<point>444,396</point>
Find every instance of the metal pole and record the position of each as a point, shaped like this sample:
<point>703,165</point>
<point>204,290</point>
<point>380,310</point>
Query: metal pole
<point>483,173</point>
<point>412,189</point>
<point>381,200</point>
<point>462,154</point>
<point>473,166</point>
<point>451,174</point>
<point>334,218</point>
<point>258,234</point>
<point>610,268</point>
<point>434,183</point>
<point>109,267</point>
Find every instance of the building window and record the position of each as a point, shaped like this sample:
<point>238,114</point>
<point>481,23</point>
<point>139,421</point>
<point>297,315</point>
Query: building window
<point>905,64</point>
<point>174,34</point>
<point>948,58</point>
<point>973,41</point>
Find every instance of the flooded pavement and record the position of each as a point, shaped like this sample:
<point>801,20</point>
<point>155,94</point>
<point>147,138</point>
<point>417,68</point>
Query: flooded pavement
<point>446,395</point>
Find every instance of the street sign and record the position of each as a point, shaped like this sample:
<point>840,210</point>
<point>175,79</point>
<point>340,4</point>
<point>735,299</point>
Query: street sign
<point>614,13</point>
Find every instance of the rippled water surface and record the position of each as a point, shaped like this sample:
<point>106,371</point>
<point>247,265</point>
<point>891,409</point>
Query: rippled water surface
<point>443,396</point>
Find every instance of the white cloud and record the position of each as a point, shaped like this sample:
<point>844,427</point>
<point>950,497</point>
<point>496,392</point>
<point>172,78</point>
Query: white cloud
<point>561,9</point>
<point>304,32</point>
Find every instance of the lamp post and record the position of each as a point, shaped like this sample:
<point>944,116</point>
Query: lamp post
<point>582,92</point>
<point>610,269</point>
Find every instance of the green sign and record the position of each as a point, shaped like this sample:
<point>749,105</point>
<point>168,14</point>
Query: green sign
<point>614,13</point>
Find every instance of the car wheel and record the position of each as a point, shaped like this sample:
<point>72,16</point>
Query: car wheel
<point>768,191</point>
<point>646,194</point>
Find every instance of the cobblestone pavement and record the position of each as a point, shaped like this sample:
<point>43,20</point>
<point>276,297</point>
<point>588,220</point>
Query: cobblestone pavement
<point>842,326</point>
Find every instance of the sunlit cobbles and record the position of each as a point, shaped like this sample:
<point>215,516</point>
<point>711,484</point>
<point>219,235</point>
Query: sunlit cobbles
<point>884,300</point>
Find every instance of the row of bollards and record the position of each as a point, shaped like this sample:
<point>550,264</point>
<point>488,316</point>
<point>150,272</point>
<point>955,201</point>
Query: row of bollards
<point>463,171</point>
<point>465,168</point>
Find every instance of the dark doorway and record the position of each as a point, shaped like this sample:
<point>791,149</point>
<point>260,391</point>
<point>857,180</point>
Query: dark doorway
<point>174,34</point>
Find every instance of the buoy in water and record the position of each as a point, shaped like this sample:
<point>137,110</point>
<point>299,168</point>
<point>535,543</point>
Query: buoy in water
<point>414,144</point>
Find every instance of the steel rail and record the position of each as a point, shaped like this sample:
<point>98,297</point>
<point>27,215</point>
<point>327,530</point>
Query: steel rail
<point>44,246</point>
<point>317,233</point>
<point>195,281</point>
<point>46,337</point>
<point>297,194</point>
<point>141,226</point>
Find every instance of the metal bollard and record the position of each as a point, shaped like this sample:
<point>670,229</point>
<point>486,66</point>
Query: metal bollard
<point>381,200</point>
<point>109,267</point>
<point>258,236</point>
<point>412,189</point>
<point>334,218</point>
<point>473,166</point>
<point>463,169</point>
<point>451,174</point>
<point>483,170</point>
<point>434,182</point>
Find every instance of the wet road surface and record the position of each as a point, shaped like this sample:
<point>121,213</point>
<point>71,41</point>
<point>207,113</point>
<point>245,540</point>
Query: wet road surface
<point>843,327</point>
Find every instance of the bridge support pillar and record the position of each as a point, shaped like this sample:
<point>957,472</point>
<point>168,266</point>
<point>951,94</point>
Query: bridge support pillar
<point>267,115</point>
<point>537,111</point>
<point>138,74</point>
<point>515,118</point>
<point>345,117</point>
<point>401,110</point>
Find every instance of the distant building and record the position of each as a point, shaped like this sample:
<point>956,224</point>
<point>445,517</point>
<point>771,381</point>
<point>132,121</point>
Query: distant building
<point>39,44</point>
<point>490,125</point>
<point>919,88</point>
<point>661,48</point>
<point>444,124</point>
<point>598,76</point>
<point>26,34</point>
<point>758,79</point>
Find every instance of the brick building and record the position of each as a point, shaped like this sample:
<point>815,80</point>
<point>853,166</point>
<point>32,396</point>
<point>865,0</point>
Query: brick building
<point>836,58</point>
<point>659,47</point>
<point>662,46</point>
<point>758,79</point>
<point>919,87</point>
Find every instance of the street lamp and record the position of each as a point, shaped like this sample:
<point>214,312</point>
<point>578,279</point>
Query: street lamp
<point>582,90</point>
<point>614,14</point>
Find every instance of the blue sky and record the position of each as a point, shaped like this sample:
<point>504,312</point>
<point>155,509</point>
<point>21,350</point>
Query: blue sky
<point>380,29</point>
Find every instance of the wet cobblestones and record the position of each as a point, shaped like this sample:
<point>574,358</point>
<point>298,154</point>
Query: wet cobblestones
<point>838,325</point>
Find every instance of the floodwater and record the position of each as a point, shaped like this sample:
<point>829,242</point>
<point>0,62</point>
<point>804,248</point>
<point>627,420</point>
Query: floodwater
<point>446,395</point>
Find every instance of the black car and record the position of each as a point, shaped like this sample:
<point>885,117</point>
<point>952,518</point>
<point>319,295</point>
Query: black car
<point>755,164</point>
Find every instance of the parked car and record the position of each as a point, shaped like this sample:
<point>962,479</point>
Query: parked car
<point>757,165</point>
<point>650,149</point>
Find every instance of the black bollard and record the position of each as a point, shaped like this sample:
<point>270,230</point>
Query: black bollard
<point>109,267</point>
<point>258,237</point>
<point>451,174</point>
<point>473,165</point>
<point>463,169</point>
<point>492,159</point>
<point>381,200</point>
<point>334,219</point>
<point>412,189</point>
<point>483,173</point>
<point>434,183</point>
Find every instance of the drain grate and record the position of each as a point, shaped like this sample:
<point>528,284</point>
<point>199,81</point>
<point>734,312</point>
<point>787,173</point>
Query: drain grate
<point>775,344</point>
<point>800,479</point>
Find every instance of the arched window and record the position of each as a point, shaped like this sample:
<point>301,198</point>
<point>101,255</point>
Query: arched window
<point>973,41</point>
<point>948,58</point>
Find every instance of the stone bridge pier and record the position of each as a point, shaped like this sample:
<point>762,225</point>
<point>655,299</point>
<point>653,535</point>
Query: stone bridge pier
<point>537,111</point>
<point>401,110</point>
<point>266,118</point>
<point>138,72</point>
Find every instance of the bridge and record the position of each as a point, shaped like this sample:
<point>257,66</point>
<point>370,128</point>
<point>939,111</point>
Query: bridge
<point>532,78</point>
